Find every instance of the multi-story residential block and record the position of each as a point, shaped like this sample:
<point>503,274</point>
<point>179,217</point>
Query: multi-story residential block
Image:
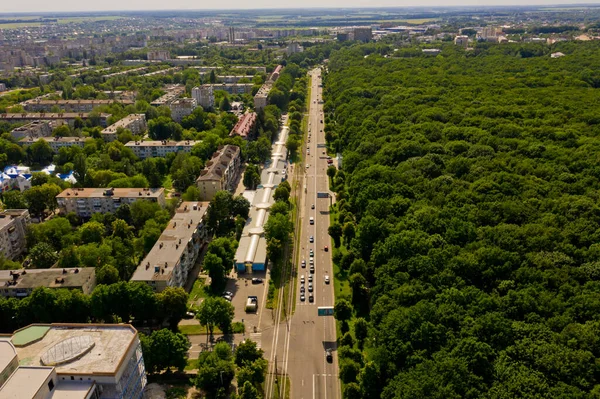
<point>158,55</point>
<point>363,34</point>
<point>275,75</point>
<point>37,105</point>
<point>204,96</point>
<point>220,173</point>
<point>182,108</point>
<point>173,256</point>
<point>173,92</point>
<point>75,361</point>
<point>35,129</point>
<point>462,41</point>
<point>69,117</point>
<point>158,148</point>
<point>233,88</point>
<point>21,283</point>
<point>13,226</point>
<point>136,123</point>
<point>293,48</point>
<point>246,126</point>
<point>2,85</point>
<point>56,143</point>
<point>261,97</point>
<point>87,201</point>
<point>234,78</point>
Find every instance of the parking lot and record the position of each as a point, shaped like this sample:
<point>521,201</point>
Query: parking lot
<point>242,287</point>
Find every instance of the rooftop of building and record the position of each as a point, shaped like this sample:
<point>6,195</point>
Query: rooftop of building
<point>51,278</point>
<point>162,143</point>
<point>165,254</point>
<point>72,390</point>
<point>111,192</point>
<point>7,354</point>
<point>69,102</point>
<point>25,382</point>
<point>76,349</point>
<point>56,139</point>
<point>124,122</point>
<point>9,214</point>
<point>49,115</point>
<point>244,124</point>
<point>215,168</point>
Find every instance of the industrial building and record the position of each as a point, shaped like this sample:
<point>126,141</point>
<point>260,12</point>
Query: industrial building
<point>174,254</point>
<point>251,254</point>
<point>72,361</point>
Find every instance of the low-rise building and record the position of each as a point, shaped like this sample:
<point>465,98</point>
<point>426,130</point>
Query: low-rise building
<point>13,226</point>
<point>158,148</point>
<point>220,173</point>
<point>74,361</point>
<point>245,126</point>
<point>21,283</point>
<point>86,201</point>
<point>37,105</point>
<point>182,108</point>
<point>69,117</point>
<point>56,143</point>
<point>204,96</point>
<point>173,256</point>
<point>136,123</point>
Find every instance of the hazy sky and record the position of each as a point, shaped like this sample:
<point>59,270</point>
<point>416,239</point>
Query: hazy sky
<point>33,6</point>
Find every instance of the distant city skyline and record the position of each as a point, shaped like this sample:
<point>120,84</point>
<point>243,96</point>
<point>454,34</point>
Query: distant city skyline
<point>38,6</point>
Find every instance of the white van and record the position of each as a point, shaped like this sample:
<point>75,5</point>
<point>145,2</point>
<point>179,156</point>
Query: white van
<point>312,220</point>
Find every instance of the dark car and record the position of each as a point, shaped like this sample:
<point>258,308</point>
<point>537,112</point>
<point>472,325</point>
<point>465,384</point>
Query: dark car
<point>311,298</point>
<point>329,355</point>
<point>256,280</point>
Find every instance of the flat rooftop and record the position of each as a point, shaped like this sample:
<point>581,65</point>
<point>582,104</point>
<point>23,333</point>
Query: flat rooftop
<point>8,215</point>
<point>124,123</point>
<point>51,278</point>
<point>71,390</point>
<point>7,354</point>
<point>116,193</point>
<point>171,244</point>
<point>163,143</point>
<point>25,382</point>
<point>110,345</point>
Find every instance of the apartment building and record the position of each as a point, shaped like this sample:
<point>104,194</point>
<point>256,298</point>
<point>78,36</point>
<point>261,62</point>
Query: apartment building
<point>13,226</point>
<point>293,48</point>
<point>173,256</point>
<point>87,201</point>
<point>363,34</point>
<point>173,92</point>
<point>158,55</point>
<point>158,148</point>
<point>233,88</point>
<point>21,283</point>
<point>35,129</point>
<point>220,173</point>
<point>69,117</point>
<point>245,126</point>
<point>74,361</point>
<point>56,143</point>
<point>136,123</point>
<point>182,108</point>
<point>261,97</point>
<point>234,78</point>
<point>276,72</point>
<point>204,96</point>
<point>37,105</point>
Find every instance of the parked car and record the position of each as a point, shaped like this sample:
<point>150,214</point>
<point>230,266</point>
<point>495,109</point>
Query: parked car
<point>313,206</point>
<point>326,279</point>
<point>228,297</point>
<point>328,355</point>
<point>302,298</point>
<point>256,280</point>
<point>311,298</point>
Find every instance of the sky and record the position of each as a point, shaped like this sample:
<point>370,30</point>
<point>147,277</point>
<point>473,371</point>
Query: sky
<point>33,6</point>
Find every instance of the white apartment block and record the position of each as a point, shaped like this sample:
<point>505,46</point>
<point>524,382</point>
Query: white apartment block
<point>158,55</point>
<point>87,201</point>
<point>204,96</point>
<point>13,226</point>
<point>56,143</point>
<point>74,361</point>
<point>182,108</point>
<point>136,123</point>
<point>37,105</point>
<point>260,98</point>
<point>173,256</point>
<point>35,129</point>
<point>158,148</point>
<point>220,173</point>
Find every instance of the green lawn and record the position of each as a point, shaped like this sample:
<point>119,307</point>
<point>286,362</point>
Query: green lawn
<point>198,291</point>
<point>197,329</point>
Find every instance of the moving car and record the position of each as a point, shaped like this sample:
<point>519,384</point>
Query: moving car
<point>256,280</point>
<point>313,206</point>
<point>326,248</point>
<point>328,355</point>
<point>302,279</point>
<point>302,298</point>
<point>326,279</point>
<point>311,298</point>
<point>312,220</point>
<point>303,263</point>
<point>310,287</point>
<point>311,239</point>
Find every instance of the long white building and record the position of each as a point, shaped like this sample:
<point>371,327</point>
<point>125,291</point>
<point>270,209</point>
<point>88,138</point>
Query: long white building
<point>160,148</point>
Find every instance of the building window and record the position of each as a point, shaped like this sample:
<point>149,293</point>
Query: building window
<point>50,385</point>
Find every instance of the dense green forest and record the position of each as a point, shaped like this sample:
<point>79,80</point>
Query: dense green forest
<point>468,203</point>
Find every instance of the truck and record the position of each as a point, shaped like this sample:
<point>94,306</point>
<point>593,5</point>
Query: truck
<point>251,304</point>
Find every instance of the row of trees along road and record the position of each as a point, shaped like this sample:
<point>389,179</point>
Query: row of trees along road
<point>468,205</point>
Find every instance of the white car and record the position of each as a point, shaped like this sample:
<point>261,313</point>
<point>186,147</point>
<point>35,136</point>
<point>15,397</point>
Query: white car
<point>302,279</point>
<point>310,277</point>
<point>326,279</point>
<point>311,239</point>
<point>310,287</point>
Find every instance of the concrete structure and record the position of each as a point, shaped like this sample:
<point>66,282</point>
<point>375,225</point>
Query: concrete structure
<point>363,34</point>
<point>462,41</point>
<point>72,361</point>
<point>136,123</point>
<point>220,173</point>
<point>36,116</point>
<point>251,254</point>
<point>158,148</point>
<point>173,92</point>
<point>56,143</point>
<point>233,88</point>
<point>293,48</point>
<point>204,96</point>
<point>37,105</point>
<point>245,126</point>
<point>234,78</point>
<point>87,201</point>
<point>158,55</point>
<point>173,256</point>
<point>258,69</point>
<point>13,226</point>
<point>21,283</point>
<point>261,97</point>
<point>182,108</point>
<point>35,129</point>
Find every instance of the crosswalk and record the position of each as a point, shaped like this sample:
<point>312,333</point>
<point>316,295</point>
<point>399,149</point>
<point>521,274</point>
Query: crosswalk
<point>257,337</point>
